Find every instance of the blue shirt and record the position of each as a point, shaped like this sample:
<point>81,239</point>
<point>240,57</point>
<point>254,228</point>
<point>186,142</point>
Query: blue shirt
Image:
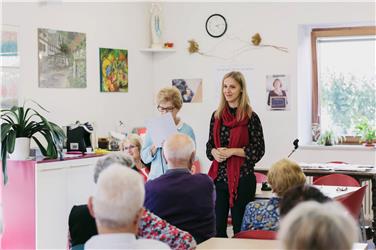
<point>261,215</point>
<point>158,164</point>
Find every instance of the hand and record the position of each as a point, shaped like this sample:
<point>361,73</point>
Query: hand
<point>226,152</point>
<point>218,156</point>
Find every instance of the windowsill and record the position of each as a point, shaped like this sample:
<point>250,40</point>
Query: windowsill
<point>337,147</point>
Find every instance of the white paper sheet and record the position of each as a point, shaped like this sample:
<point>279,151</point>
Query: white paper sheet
<point>160,128</point>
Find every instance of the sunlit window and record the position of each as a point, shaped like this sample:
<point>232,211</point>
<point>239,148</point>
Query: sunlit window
<point>345,79</point>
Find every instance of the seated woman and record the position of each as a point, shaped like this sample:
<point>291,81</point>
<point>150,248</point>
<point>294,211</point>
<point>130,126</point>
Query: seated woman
<point>132,145</point>
<point>299,194</point>
<point>82,225</point>
<point>264,214</point>
<point>312,225</point>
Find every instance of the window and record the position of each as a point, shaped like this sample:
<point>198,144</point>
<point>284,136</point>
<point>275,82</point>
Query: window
<point>344,78</point>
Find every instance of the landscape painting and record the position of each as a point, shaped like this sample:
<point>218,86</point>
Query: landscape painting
<point>62,59</point>
<point>113,70</point>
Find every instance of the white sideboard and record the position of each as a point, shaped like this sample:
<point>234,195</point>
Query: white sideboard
<point>59,185</point>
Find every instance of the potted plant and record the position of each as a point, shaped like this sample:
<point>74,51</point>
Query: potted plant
<point>19,125</point>
<point>366,131</point>
<point>327,138</point>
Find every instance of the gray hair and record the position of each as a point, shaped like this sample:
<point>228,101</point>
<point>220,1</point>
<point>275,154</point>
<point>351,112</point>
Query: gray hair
<point>312,225</point>
<point>178,147</point>
<point>121,158</point>
<point>119,196</point>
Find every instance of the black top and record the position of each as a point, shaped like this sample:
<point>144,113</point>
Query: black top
<point>253,151</point>
<point>81,225</point>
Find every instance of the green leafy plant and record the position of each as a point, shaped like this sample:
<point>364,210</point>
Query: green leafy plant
<point>365,130</point>
<point>328,138</point>
<point>21,121</point>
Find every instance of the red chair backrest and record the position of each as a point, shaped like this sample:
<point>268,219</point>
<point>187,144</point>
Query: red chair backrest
<point>260,178</point>
<point>257,234</point>
<point>353,201</point>
<point>337,180</point>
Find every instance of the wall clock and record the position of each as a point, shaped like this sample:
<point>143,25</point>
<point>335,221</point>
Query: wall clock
<point>216,25</point>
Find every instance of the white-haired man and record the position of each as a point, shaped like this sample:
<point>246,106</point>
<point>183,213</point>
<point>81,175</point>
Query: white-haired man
<point>183,199</point>
<point>117,208</point>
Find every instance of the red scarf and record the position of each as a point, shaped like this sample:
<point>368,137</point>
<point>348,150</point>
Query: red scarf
<point>238,139</point>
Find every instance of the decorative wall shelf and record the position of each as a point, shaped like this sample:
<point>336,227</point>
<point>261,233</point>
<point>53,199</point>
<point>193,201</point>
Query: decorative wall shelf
<point>152,50</point>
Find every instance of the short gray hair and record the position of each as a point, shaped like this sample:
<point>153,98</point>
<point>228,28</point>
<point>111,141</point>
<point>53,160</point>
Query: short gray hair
<point>179,147</point>
<point>119,196</point>
<point>312,225</point>
<point>121,158</point>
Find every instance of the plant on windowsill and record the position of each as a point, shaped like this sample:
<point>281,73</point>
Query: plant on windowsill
<point>327,138</point>
<point>366,131</point>
<point>19,125</point>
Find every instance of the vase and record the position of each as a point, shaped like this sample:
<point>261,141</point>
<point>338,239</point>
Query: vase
<point>21,149</point>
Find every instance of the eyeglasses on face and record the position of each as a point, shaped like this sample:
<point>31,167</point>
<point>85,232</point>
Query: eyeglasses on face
<point>129,147</point>
<point>165,109</point>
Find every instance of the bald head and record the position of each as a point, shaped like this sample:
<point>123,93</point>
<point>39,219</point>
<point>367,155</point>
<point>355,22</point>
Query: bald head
<point>179,151</point>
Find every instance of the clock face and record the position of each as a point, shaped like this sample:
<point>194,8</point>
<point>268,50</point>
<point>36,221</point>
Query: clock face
<point>216,25</point>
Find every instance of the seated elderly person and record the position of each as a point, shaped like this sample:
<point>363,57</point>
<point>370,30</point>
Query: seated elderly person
<point>132,145</point>
<point>312,225</point>
<point>264,215</point>
<point>181,198</point>
<point>117,208</point>
<point>82,224</point>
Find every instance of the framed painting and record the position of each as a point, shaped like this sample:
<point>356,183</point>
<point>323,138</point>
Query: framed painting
<point>113,70</point>
<point>190,89</point>
<point>62,59</point>
<point>9,66</point>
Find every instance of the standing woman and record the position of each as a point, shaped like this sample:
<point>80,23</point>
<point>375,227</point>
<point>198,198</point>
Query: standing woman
<point>168,100</point>
<point>235,144</point>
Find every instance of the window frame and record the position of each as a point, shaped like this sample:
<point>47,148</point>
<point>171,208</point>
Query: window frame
<point>331,32</point>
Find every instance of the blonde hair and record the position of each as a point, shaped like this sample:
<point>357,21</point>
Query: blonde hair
<point>244,108</point>
<point>312,225</point>
<point>170,94</point>
<point>285,174</point>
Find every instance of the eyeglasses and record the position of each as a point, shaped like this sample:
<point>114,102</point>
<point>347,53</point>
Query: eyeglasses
<point>165,109</point>
<point>130,147</point>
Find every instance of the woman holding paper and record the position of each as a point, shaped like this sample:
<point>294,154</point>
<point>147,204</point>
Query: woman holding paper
<point>235,144</point>
<point>168,100</point>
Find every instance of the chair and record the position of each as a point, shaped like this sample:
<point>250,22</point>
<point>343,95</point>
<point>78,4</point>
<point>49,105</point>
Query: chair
<point>257,234</point>
<point>260,178</point>
<point>353,203</point>
<point>337,180</point>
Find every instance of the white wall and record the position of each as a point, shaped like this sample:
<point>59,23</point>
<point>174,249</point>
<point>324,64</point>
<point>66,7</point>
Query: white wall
<point>106,25</point>
<point>278,23</point>
<point>125,25</point>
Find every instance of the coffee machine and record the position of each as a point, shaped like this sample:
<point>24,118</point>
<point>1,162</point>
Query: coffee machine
<point>79,136</point>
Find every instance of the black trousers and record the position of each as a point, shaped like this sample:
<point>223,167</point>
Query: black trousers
<point>246,193</point>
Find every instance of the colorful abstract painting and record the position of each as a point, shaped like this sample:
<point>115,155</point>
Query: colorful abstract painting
<point>9,66</point>
<point>62,59</point>
<point>113,70</point>
<point>190,89</point>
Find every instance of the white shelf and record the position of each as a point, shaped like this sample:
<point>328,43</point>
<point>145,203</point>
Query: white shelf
<point>152,50</point>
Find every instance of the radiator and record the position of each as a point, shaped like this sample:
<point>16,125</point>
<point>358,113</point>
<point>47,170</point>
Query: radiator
<point>367,203</point>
